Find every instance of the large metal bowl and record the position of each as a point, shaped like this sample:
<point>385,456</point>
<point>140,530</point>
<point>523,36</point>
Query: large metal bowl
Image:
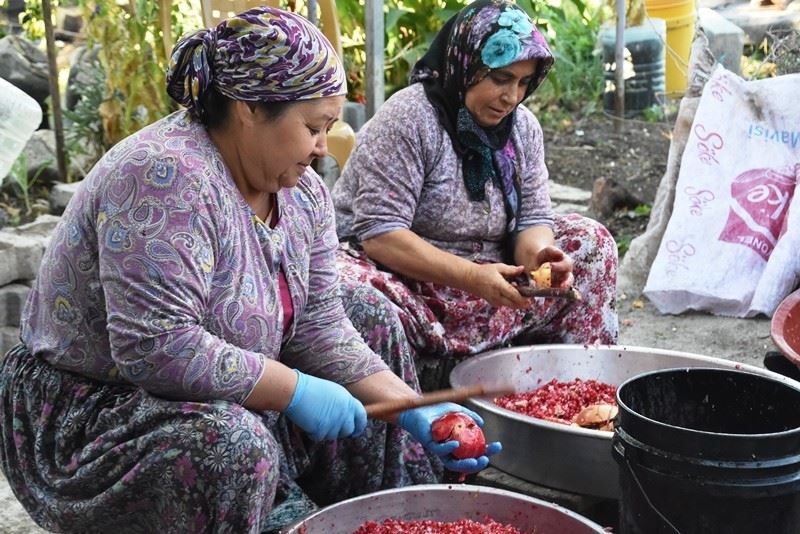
<point>444,502</point>
<point>560,456</point>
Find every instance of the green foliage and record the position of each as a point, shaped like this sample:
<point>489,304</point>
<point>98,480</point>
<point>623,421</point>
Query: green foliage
<point>409,29</point>
<point>654,113</point>
<point>84,129</point>
<point>32,20</point>
<point>643,210</point>
<point>623,244</point>
<point>571,27</point>
<point>575,83</point>
<point>21,181</point>
<point>133,56</point>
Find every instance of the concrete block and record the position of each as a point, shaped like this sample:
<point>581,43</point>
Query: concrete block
<point>9,336</point>
<point>61,194</point>
<point>566,208</point>
<point>567,193</point>
<point>725,39</point>
<point>12,300</point>
<point>757,21</point>
<point>20,256</point>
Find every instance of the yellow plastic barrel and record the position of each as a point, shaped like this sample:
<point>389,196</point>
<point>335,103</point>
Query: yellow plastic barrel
<point>680,16</point>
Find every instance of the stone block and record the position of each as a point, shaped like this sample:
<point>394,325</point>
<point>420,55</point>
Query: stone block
<point>9,336</point>
<point>757,22</point>
<point>725,39</point>
<point>20,257</point>
<point>567,193</point>
<point>566,208</point>
<point>61,194</point>
<point>12,300</point>
<point>21,249</point>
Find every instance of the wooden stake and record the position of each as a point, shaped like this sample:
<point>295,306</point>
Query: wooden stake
<point>55,94</point>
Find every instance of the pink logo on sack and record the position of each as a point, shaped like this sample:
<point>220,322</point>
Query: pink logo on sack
<point>760,200</point>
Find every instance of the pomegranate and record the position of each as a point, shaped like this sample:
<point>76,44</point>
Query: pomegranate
<point>428,526</point>
<point>460,427</point>
<point>560,402</point>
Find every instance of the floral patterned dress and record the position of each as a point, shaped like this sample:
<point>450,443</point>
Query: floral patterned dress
<point>155,308</point>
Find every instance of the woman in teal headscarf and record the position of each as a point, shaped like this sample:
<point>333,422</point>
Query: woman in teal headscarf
<point>444,202</point>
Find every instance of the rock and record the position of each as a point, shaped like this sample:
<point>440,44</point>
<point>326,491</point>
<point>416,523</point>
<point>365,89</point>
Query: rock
<point>84,71</point>
<point>566,193</point>
<point>40,152</point>
<point>60,196</point>
<point>609,196</point>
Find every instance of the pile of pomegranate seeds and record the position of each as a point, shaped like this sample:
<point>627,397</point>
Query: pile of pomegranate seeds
<point>559,401</point>
<point>425,526</point>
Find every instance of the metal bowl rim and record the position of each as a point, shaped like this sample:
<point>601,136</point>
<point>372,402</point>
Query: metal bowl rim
<point>493,408</point>
<point>462,488</point>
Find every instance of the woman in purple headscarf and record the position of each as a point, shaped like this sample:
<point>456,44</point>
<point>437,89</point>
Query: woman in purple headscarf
<point>443,202</point>
<point>186,364</point>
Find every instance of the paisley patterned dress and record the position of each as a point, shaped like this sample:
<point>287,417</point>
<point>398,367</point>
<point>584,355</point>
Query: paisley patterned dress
<point>155,308</point>
<point>405,174</point>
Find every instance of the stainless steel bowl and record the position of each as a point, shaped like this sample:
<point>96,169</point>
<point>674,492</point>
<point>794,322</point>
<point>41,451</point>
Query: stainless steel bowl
<point>445,502</point>
<point>559,456</point>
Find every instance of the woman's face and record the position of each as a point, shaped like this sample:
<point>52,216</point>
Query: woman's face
<point>499,92</point>
<point>275,152</point>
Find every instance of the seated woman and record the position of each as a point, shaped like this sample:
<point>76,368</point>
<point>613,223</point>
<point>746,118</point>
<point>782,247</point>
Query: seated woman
<point>186,364</point>
<point>444,201</point>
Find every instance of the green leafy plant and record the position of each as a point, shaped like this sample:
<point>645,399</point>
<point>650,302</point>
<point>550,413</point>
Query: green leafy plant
<point>134,58</point>
<point>24,182</point>
<point>409,29</point>
<point>575,83</point>
<point>84,129</point>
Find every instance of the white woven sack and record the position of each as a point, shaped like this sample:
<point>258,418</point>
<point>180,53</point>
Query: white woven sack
<point>732,244</point>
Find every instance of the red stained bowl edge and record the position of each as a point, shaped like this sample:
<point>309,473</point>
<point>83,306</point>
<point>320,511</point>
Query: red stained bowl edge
<point>785,327</point>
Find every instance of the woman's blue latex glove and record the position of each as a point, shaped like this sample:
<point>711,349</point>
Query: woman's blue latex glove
<point>325,409</point>
<point>418,421</point>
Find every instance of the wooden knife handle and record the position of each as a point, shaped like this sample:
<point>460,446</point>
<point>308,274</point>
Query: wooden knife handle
<point>569,293</point>
<point>384,409</point>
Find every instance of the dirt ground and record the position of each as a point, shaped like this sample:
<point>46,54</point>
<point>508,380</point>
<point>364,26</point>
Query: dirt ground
<point>635,158</point>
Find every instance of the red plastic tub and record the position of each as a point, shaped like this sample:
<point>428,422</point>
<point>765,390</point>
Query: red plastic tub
<point>785,327</point>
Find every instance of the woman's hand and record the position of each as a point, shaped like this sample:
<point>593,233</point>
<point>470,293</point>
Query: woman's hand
<point>490,281</point>
<point>325,409</point>
<point>560,266</point>
<point>418,421</point>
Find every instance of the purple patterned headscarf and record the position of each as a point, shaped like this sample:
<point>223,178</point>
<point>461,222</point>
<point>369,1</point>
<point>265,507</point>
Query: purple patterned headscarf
<point>262,55</point>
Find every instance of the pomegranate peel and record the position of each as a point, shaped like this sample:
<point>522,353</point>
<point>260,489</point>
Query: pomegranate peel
<point>462,428</point>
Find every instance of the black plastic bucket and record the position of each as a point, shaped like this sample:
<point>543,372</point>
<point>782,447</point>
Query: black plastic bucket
<point>644,80</point>
<point>708,451</point>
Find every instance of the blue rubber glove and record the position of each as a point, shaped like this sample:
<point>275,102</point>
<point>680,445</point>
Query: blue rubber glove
<point>418,421</point>
<point>325,409</point>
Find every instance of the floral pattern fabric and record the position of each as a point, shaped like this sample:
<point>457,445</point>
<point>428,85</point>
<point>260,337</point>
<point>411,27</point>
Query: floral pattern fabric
<point>84,456</point>
<point>156,305</point>
<point>441,321</point>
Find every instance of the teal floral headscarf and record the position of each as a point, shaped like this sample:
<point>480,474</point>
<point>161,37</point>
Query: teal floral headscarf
<point>485,35</point>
